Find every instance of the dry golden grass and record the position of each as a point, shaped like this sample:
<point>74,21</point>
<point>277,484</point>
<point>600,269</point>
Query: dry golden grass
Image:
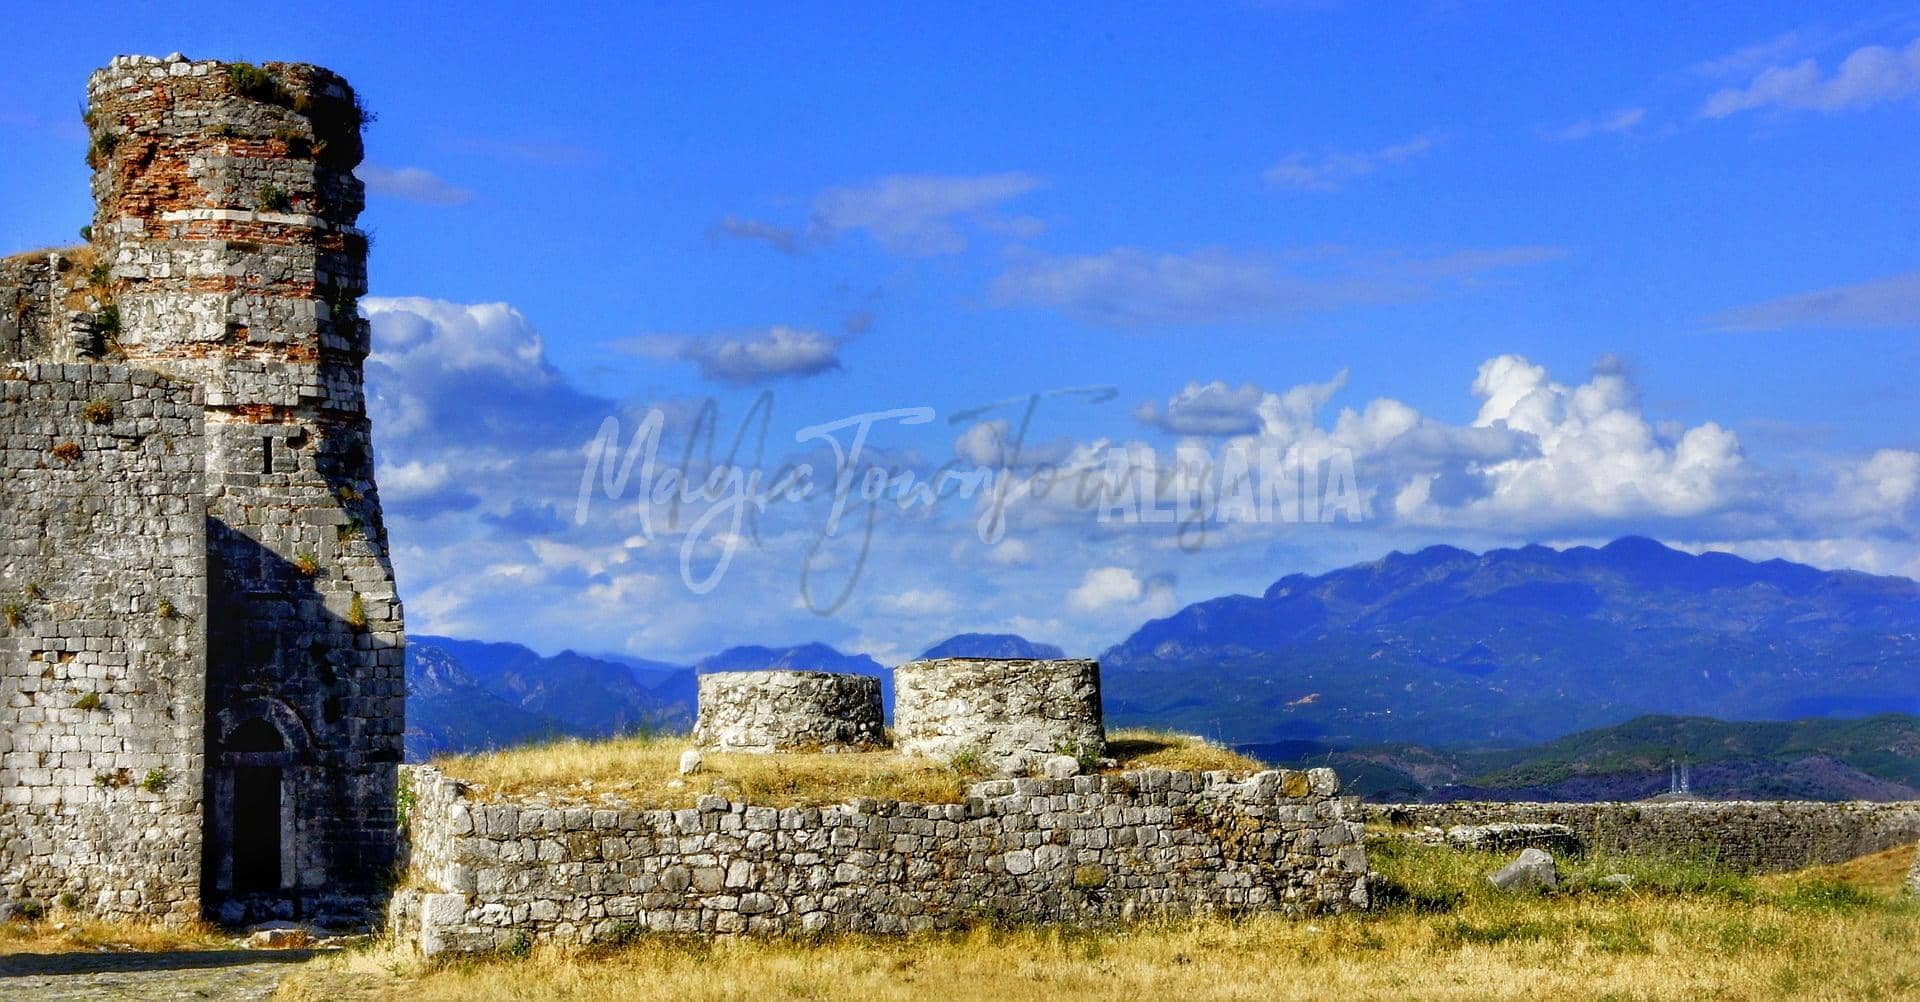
<point>1883,873</point>
<point>63,932</point>
<point>1683,931</point>
<point>643,770</point>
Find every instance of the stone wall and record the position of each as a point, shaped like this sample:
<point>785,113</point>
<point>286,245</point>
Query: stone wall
<point>102,638</point>
<point>1006,710</point>
<point>783,710</point>
<point>1759,836</point>
<point>45,307</point>
<point>1085,849</point>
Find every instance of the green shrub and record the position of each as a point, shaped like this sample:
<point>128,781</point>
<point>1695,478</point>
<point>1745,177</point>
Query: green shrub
<point>89,701</point>
<point>272,198</point>
<point>101,149</point>
<point>969,761</point>
<point>156,780</point>
<point>255,82</point>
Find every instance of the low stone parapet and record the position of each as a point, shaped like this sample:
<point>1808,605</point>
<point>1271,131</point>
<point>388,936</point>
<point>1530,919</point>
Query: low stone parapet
<point>1759,836</point>
<point>1091,848</point>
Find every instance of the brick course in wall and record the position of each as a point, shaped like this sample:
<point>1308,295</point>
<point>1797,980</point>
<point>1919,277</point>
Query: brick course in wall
<point>1085,849</point>
<point>1758,836</point>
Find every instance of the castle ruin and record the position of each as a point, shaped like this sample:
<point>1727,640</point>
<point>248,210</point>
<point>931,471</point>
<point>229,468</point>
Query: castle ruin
<point>201,651</point>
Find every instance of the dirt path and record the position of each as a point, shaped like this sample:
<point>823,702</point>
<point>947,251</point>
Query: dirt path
<point>183,974</point>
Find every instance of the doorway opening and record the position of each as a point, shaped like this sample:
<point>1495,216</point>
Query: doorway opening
<point>257,810</point>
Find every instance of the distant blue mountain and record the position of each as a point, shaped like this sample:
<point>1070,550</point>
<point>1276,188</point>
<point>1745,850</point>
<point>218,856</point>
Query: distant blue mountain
<point>566,694</point>
<point>991,645</point>
<point>1517,646</point>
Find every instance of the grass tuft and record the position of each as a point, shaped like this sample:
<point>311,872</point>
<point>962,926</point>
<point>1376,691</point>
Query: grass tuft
<point>643,770</point>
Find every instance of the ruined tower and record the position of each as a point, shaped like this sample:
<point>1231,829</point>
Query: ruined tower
<point>226,264</point>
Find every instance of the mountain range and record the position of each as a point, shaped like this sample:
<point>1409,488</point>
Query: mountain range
<point>1518,646</point>
<point>1442,648</point>
<point>464,695</point>
<point>1867,758</point>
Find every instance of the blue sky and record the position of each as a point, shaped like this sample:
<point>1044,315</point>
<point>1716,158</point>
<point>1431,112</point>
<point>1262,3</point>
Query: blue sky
<point>1541,272</point>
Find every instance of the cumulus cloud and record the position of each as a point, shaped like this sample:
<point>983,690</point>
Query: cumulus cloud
<point>412,184</point>
<point>1596,456</point>
<point>1617,123</point>
<point>1869,75</point>
<point>1331,170</point>
<point>748,358</point>
<point>1882,488</point>
<point>1130,287</point>
<point>470,375</point>
<point>920,214</point>
<point>1887,302</point>
<point>1107,590</point>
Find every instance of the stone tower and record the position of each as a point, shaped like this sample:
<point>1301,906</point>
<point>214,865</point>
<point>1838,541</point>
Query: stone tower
<point>225,209</point>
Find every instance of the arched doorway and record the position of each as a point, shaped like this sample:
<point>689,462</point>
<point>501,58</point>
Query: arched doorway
<point>257,806</point>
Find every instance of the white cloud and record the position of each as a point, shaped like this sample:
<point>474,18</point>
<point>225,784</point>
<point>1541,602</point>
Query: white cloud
<point>1010,553</point>
<point>1881,488</point>
<point>761,356</point>
<point>1130,287</point>
<point>413,480</point>
<point>1206,409</point>
<point>1331,170</point>
<point>1217,409</point>
<point>1870,75</point>
<point>780,238</point>
<point>1617,123</point>
<point>1887,302</point>
<point>920,602</point>
<point>920,214</point>
<point>1596,456</point>
<point>412,184</point>
<point>1108,590</point>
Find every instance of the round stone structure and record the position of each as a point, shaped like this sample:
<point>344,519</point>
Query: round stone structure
<point>786,710</point>
<point>1007,710</point>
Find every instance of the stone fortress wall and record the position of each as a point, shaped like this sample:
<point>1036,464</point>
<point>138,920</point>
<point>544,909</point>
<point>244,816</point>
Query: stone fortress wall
<point>224,262</point>
<point>226,204</point>
<point>486,873</point>
<point>1756,836</point>
<point>784,710</point>
<point>102,646</point>
<point>1082,849</point>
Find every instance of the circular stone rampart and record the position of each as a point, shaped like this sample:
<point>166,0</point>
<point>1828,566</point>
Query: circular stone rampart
<point>783,710</point>
<point>1006,710</point>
